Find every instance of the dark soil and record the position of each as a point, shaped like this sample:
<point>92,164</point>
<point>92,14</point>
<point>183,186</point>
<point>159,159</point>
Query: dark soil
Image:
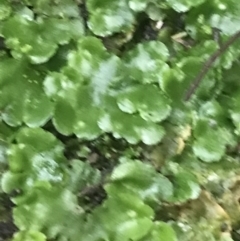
<point>7,227</point>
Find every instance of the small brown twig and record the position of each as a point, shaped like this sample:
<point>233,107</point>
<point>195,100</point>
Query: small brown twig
<point>90,189</point>
<point>206,67</point>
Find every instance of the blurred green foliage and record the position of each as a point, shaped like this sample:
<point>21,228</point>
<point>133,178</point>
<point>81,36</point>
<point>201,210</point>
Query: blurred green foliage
<point>96,142</point>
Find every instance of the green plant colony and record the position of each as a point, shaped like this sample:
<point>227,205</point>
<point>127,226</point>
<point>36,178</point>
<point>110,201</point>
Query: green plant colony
<point>96,140</point>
